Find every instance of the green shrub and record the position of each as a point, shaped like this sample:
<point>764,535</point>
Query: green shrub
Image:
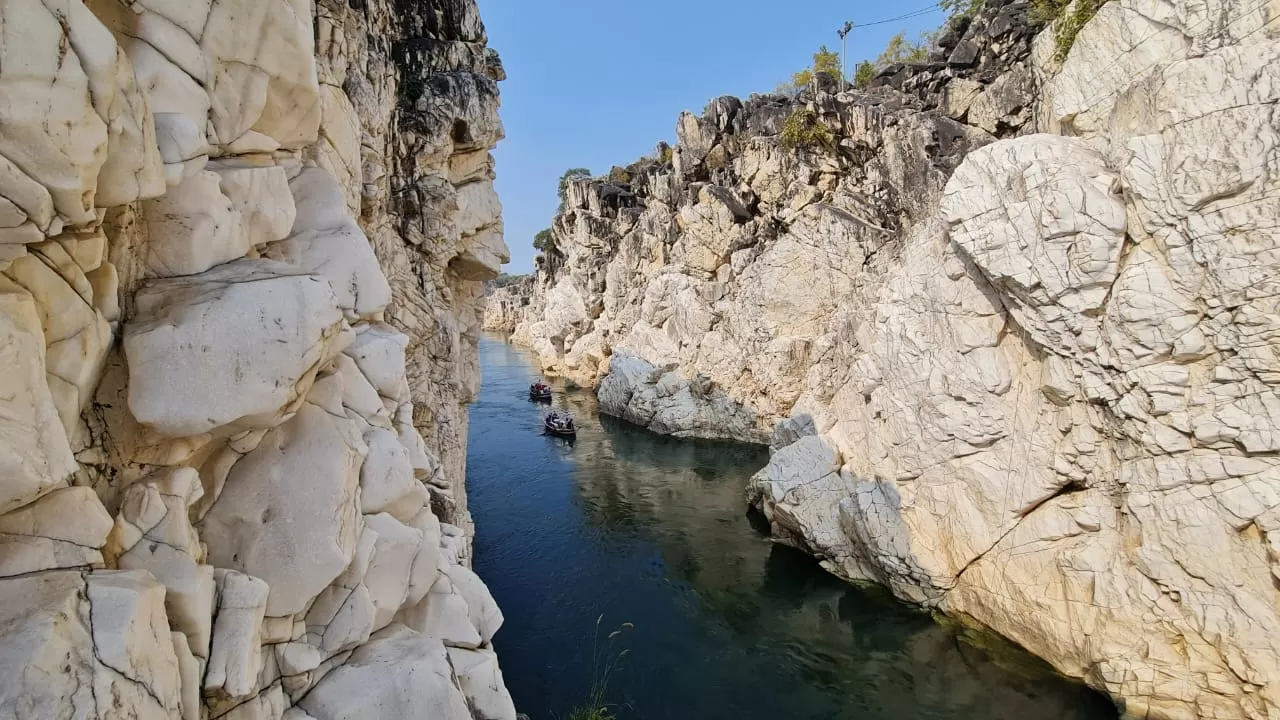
<point>544,241</point>
<point>665,154</point>
<point>902,50</point>
<point>802,79</point>
<point>825,62</point>
<point>619,176</point>
<point>864,74</point>
<point>1043,12</point>
<point>805,130</point>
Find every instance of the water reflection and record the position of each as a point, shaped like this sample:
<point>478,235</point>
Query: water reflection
<point>654,531</point>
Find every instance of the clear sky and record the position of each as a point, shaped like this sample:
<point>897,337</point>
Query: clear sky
<point>593,83</point>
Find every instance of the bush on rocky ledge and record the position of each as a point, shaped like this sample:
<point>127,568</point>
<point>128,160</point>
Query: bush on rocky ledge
<point>804,130</point>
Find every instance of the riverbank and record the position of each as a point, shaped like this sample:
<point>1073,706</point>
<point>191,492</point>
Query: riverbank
<point>652,530</point>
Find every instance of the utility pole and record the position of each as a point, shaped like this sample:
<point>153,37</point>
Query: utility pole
<point>844,33</point>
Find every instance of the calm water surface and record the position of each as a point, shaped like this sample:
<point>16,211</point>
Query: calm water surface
<point>653,531</point>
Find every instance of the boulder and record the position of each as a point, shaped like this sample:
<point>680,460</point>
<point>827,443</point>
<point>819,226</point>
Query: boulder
<point>288,511</point>
<point>63,529</point>
<point>193,227</point>
<point>379,353</point>
<point>235,658</point>
<point>481,608</point>
<point>397,675</point>
<point>153,532</point>
<point>262,197</point>
<point>389,572</point>
<point>342,616</point>
<point>326,241</point>
<point>261,75</point>
<point>270,324</point>
<point>35,456</point>
<point>442,614</point>
<point>134,661</point>
<point>77,119</point>
<point>481,681</point>
<point>1040,217</point>
<point>358,395</point>
<point>77,337</point>
<point>387,482</point>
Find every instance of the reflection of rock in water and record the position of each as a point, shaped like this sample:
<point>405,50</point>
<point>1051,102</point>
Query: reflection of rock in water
<point>686,498</point>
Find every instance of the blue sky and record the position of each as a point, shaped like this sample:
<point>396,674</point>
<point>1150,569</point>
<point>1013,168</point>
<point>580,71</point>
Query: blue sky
<point>593,83</point>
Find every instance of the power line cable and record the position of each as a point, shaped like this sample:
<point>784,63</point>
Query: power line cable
<point>913,14</point>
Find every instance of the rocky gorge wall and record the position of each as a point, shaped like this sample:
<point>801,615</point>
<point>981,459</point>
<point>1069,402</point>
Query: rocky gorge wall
<point>1009,332</point>
<point>504,307</point>
<point>241,252</point>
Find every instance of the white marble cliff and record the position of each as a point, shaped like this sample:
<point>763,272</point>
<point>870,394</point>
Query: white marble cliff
<point>1012,333</point>
<point>241,246</point>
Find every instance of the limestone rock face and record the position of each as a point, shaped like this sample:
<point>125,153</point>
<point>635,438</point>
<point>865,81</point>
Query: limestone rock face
<point>212,516</point>
<point>288,513</point>
<point>1008,335</point>
<point>504,306</point>
<point>398,674</point>
<point>36,454</point>
<point>664,401</point>
<point>706,286</point>
<point>64,529</point>
<point>265,359</point>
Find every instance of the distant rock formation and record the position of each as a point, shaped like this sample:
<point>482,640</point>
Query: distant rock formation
<point>1006,321</point>
<point>241,246</point>
<point>505,304</point>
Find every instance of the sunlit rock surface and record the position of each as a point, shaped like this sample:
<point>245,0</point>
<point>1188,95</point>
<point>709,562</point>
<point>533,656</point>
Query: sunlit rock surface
<point>226,459</point>
<point>1009,334</point>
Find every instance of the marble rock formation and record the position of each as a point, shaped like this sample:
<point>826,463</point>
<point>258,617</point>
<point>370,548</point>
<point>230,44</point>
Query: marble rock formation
<point>242,247</point>
<point>1010,333</point>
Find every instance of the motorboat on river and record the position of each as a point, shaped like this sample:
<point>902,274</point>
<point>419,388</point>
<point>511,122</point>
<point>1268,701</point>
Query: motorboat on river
<point>540,391</point>
<point>560,422</point>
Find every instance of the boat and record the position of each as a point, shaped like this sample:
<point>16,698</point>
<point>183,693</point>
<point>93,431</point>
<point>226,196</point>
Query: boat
<point>540,391</point>
<point>560,422</point>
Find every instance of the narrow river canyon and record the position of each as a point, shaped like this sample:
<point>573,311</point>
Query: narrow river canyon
<point>654,531</point>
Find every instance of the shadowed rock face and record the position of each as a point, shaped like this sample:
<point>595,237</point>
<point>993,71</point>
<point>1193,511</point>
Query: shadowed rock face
<point>283,212</point>
<point>1020,377</point>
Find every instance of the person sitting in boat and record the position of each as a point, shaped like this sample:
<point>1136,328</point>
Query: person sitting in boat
<point>560,421</point>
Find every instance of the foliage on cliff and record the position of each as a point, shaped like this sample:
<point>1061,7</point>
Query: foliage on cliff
<point>825,62</point>
<point>804,130</point>
<point>544,241</point>
<point>1068,18</point>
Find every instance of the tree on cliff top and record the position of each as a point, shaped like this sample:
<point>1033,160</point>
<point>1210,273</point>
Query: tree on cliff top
<point>899,50</point>
<point>563,190</point>
<point>825,61</point>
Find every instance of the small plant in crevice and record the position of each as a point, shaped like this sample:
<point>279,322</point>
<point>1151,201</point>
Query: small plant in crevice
<point>1068,19</point>
<point>804,130</point>
<point>606,661</point>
